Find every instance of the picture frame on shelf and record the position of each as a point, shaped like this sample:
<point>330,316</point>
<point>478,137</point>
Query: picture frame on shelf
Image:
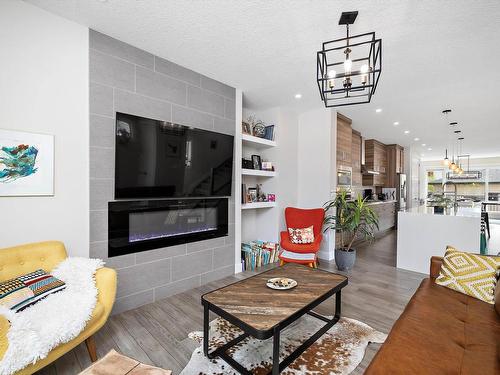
<point>246,128</point>
<point>256,162</point>
<point>246,163</point>
<point>267,166</point>
<point>269,132</point>
<point>252,195</point>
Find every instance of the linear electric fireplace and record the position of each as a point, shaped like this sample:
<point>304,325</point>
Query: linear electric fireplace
<point>135,226</point>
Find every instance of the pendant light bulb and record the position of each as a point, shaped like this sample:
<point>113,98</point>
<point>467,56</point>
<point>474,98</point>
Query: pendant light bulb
<point>331,78</point>
<point>347,66</point>
<point>453,167</point>
<point>364,73</point>
<point>446,162</point>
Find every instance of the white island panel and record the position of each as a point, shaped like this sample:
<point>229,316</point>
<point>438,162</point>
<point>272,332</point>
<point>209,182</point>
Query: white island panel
<point>422,234</point>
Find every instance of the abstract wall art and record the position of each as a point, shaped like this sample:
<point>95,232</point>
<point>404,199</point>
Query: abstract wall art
<point>26,163</point>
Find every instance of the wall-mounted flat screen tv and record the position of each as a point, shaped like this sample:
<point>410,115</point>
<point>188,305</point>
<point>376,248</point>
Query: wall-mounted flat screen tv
<point>159,159</point>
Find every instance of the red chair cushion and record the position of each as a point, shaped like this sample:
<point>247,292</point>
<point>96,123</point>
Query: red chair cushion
<point>300,248</point>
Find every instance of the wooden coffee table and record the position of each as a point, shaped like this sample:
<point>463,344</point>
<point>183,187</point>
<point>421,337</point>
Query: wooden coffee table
<point>262,312</point>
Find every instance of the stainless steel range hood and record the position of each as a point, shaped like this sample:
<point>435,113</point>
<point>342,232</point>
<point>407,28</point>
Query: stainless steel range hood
<point>365,170</point>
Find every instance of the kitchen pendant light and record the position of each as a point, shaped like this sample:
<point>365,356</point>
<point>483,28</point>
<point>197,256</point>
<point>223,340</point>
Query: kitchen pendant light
<point>348,69</point>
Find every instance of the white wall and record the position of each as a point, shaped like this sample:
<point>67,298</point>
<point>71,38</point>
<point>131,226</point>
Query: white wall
<point>44,89</point>
<point>317,165</point>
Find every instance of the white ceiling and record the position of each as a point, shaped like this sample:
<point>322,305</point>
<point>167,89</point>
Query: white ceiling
<point>436,55</point>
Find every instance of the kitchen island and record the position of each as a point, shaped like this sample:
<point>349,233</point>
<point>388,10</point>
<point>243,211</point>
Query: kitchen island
<point>422,234</point>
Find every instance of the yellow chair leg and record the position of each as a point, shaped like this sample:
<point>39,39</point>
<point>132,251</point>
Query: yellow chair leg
<point>281,262</point>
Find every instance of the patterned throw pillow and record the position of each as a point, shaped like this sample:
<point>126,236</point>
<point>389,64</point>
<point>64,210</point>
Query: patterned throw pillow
<point>471,274</point>
<point>301,235</point>
<point>23,291</point>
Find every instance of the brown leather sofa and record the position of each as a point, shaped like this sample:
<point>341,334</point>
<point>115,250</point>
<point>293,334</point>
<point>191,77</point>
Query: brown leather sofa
<point>442,332</point>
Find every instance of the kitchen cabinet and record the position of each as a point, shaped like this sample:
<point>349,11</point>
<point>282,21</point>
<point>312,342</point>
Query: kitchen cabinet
<point>344,140</point>
<point>395,164</point>
<point>386,212</point>
<point>356,158</point>
<point>375,160</point>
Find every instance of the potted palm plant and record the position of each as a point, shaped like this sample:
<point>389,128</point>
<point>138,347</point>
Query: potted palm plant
<point>351,220</point>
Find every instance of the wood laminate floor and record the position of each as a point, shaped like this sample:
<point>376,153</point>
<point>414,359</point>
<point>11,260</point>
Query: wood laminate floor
<point>157,333</point>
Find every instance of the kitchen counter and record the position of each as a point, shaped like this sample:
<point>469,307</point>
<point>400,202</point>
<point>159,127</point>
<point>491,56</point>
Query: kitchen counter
<point>462,211</point>
<point>379,202</point>
<point>422,234</point>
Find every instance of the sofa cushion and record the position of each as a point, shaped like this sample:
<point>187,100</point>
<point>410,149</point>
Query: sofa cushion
<point>441,331</point>
<point>471,274</point>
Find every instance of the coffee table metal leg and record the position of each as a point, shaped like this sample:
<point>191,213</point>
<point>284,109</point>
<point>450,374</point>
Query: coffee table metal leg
<point>206,332</point>
<point>338,303</point>
<point>276,351</point>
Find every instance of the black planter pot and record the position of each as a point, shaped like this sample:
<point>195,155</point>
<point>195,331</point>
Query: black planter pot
<point>345,259</point>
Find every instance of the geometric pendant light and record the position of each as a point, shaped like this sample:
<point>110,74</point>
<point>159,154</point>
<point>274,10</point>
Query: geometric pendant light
<point>348,69</point>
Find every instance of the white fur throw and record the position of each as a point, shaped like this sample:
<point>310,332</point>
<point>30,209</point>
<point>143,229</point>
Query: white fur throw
<point>55,320</point>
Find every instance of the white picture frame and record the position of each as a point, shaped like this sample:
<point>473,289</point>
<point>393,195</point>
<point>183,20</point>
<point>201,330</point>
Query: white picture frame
<point>26,164</point>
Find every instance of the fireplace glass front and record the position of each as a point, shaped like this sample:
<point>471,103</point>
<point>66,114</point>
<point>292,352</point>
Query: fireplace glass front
<point>142,225</point>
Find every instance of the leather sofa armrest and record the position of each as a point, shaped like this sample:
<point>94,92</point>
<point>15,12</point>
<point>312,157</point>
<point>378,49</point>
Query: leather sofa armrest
<point>105,280</point>
<point>435,266</point>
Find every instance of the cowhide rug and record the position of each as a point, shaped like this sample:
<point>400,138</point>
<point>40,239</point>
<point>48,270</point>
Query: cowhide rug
<point>338,351</point>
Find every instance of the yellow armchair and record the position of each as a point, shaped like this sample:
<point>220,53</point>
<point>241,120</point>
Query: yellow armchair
<point>20,260</point>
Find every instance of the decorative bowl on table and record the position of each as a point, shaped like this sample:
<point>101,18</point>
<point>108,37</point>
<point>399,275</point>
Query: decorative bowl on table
<point>281,283</point>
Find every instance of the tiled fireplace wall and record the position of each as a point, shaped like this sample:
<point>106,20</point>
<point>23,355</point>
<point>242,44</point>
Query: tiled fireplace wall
<point>126,79</point>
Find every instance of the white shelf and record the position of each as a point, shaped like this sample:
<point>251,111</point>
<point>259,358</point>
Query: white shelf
<point>257,172</point>
<point>256,141</point>
<point>250,206</point>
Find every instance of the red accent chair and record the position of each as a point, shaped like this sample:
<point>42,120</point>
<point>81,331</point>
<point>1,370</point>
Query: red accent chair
<point>302,218</point>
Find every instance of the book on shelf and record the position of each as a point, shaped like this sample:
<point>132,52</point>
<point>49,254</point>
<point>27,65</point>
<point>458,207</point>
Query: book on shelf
<point>256,254</point>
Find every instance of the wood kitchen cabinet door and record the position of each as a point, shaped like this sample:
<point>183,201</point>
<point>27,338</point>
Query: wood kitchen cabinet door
<point>356,158</point>
<point>344,140</point>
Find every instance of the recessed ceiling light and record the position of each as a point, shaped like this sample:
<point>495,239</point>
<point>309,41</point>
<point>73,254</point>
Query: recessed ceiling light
<point>298,96</point>
<point>407,132</point>
<point>429,149</point>
<point>423,145</point>
<point>416,139</point>
<point>396,123</point>
<point>378,110</point>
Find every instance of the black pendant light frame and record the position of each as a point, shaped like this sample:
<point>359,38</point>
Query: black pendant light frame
<point>351,90</point>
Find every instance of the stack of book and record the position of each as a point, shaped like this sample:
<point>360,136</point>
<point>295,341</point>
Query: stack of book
<point>256,254</point>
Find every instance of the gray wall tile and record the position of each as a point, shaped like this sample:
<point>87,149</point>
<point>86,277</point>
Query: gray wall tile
<point>218,87</point>
<point>100,250</point>
<point>139,105</point>
<point>102,162</point>
<point>224,256</point>
<point>98,226</point>
<point>159,86</point>
<point>217,274</point>
<point>230,109</point>
<point>177,287</point>
<point>191,117</point>
<point>133,301</point>
<point>111,71</point>
<point>179,72</point>
<point>102,131</point>
<point>223,125</point>
<point>205,101</point>
<point>192,264</point>
<point>163,95</point>
<point>111,46</point>
<point>143,276</point>
<point>164,252</point>
<point>101,192</point>
<point>101,99</point>
<point>205,245</point>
